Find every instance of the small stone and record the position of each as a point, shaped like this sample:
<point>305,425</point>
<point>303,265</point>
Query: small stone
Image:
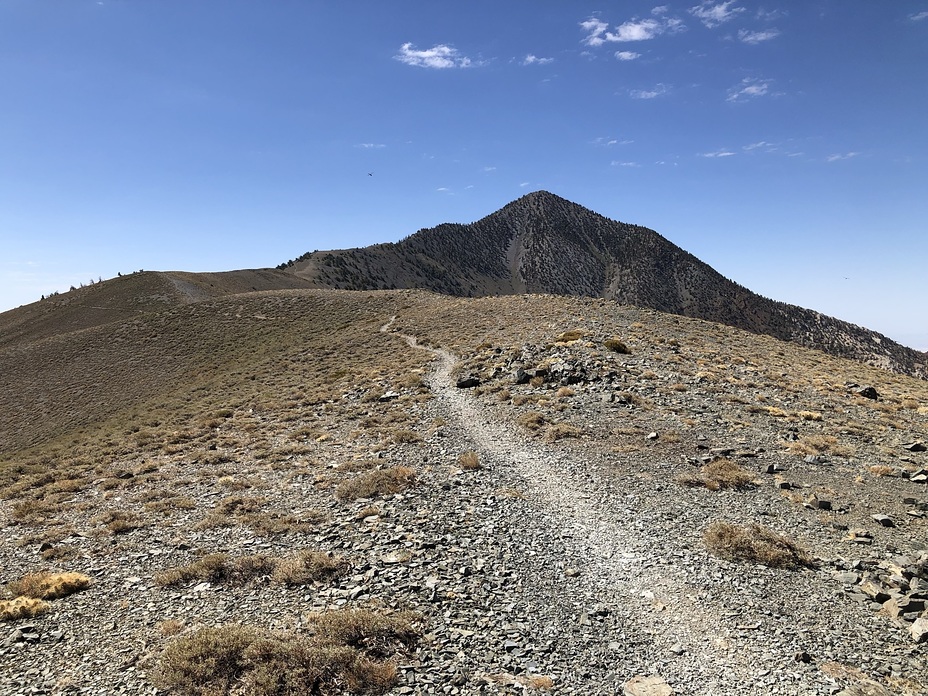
<point>802,656</point>
<point>868,393</point>
<point>467,382</point>
<point>646,686</point>
<point>919,630</point>
<point>917,446</point>
<point>677,649</point>
<point>571,572</point>
<point>884,520</point>
<point>847,578</point>
<point>652,436</point>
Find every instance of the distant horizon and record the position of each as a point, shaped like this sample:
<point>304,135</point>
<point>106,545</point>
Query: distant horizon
<point>95,280</point>
<point>783,145</point>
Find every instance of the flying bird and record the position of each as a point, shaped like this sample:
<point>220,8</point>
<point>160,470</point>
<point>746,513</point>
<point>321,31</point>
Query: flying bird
<point>370,173</point>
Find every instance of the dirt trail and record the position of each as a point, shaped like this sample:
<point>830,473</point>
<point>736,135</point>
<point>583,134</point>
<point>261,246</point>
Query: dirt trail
<point>619,554</point>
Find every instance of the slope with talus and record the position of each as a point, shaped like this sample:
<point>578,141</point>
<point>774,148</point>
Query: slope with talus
<point>542,243</point>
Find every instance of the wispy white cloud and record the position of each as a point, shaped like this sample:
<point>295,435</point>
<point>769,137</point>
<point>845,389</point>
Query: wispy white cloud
<point>616,163</point>
<point>748,88</point>
<point>440,56</point>
<point>918,16</point>
<point>371,146</point>
<point>595,29</point>
<point>658,90</point>
<point>524,184</point>
<point>531,59</point>
<point>637,30</point>
<point>718,153</point>
<point>627,55</point>
<point>771,15</point>
<point>756,37</point>
<point>757,146</point>
<point>443,189</point>
<point>633,30</point>
<point>839,157</point>
<point>713,13</point>
<point>489,169</point>
<point>609,142</point>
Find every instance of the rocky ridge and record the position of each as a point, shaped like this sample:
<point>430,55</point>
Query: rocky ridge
<point>571,561</point>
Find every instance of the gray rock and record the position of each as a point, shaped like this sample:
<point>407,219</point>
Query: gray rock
<point>919,630</point>
<point>847,578</point>
<point>646,686</point>
<point>884,520</point>
<point>868,393</point>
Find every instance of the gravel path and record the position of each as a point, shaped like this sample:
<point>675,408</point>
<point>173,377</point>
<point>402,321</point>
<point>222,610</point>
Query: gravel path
<point>620,558</point>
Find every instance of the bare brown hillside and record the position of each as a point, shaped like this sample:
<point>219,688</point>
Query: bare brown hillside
<point>130,296</point>
<point>293,490</point>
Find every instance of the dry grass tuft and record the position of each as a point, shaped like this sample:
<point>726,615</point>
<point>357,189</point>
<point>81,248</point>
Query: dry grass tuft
<point>309,566</point>
<point>810,416</point>
<point>469,461</point>
<point>721,474</point>
<point>561,431</point>
<point>616,346</point>
<point>755,544</point>
<point>218,568</point>
<point>349,652</point>
<point>533,420</point>
<point>881,470</point>
<point>206,662</point>
<point>568,336</point>
<point>46,585</point>
<point>21,608</point>
<point>377,483</point>
<point>819,444</point>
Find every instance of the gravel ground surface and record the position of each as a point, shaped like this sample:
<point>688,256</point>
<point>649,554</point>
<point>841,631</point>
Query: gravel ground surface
<point>573,565</point>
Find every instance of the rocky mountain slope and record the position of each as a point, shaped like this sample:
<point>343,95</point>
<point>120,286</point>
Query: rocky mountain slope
<point>402,491</point>
<point>542,243</point>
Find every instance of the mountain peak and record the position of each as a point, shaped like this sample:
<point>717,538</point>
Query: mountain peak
<point>543,243</point>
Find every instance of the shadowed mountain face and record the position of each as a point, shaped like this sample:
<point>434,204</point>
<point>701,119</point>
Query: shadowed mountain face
<point>542,243</point>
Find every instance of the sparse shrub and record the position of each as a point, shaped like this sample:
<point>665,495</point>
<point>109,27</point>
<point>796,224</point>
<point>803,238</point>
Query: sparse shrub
<point>819,444</point>
<point>349,652</point>
<point>379,482</point>
<point>469,461</point>
<point>810,416</point>
<point>46,585</point>
<point>755,544</point>
<point>533,420</point>
<point>237,505</point>
<point>616,345</point>
<point>275,522</point>
<point>537,381</point>
<point>309,566</point>
<point>402,437</point>
<point>882,470</point>
<point>377,633</point>
<point>568,336</point>
<point>33,510</point>
<point>171,627</point>
<point>217,568</point>
<point>21,608</point>
<point>560,431</point>
<point>564,392</point>
<point>206,662</point>
<point>718,475</point>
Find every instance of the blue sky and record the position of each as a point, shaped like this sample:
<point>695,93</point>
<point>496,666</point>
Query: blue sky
<point>783,142</point>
